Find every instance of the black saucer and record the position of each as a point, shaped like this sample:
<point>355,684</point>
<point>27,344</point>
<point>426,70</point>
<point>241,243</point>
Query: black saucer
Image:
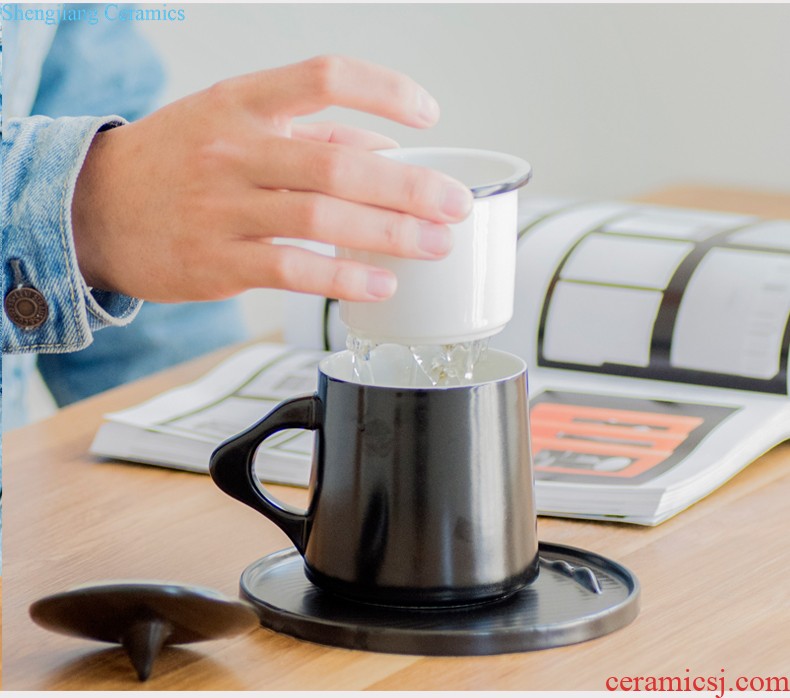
<point>577,596</point>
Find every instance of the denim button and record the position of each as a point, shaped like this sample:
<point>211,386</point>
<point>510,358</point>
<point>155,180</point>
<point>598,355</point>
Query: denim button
<point>26,307</point>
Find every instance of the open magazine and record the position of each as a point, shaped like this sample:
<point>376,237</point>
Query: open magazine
<point>657,341</point>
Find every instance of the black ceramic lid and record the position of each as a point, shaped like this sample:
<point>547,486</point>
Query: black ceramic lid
<point>143,616</point>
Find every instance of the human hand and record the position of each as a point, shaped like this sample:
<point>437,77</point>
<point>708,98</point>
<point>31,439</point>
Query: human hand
<point>185,203</point>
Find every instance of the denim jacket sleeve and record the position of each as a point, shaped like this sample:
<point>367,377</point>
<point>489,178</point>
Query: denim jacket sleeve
<point>41,158</point>
<point>106,68</point>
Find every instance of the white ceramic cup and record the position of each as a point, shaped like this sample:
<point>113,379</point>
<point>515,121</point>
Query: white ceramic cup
<point>468,295</point>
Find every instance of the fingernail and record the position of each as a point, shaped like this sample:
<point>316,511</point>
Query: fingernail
<point>427,107</point>
<point>434,239</point>
<point>381,284</point>
<point>457,201</point>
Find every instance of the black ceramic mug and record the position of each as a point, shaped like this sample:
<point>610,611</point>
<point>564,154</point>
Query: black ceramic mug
<point>419,496</point>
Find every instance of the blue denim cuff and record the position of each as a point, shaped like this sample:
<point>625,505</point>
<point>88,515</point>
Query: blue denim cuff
<point>41,159</point>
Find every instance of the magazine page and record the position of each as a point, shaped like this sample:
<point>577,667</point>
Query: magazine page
<point>658,344</point>
<point>638,450</point>
<point>230,398</point>
<point>652,292</point>
<point>180,428</point>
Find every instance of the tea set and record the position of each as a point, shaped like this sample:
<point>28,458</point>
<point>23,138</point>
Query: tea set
<point>420,535</point>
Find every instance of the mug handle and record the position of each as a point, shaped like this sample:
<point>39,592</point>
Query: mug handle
<point>232,464</point>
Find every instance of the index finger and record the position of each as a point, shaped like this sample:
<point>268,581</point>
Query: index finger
<point>324,81</point>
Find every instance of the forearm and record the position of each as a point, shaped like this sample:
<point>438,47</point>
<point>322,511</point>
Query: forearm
<point>41,159</point>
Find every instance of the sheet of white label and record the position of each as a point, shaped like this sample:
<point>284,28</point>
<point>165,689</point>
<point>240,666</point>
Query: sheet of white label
<point>772,234</point>
<point>625,261</point>
<point>594,325</point>
<point>676,223</point>
<point>733,314</point>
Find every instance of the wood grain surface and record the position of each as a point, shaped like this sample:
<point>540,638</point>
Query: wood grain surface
<point>715,584</point>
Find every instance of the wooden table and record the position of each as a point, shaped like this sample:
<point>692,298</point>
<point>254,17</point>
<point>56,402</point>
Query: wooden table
<point>715,579</point>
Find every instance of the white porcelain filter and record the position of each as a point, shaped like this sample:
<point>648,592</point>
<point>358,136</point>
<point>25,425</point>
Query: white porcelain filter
<point>468,295</point>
